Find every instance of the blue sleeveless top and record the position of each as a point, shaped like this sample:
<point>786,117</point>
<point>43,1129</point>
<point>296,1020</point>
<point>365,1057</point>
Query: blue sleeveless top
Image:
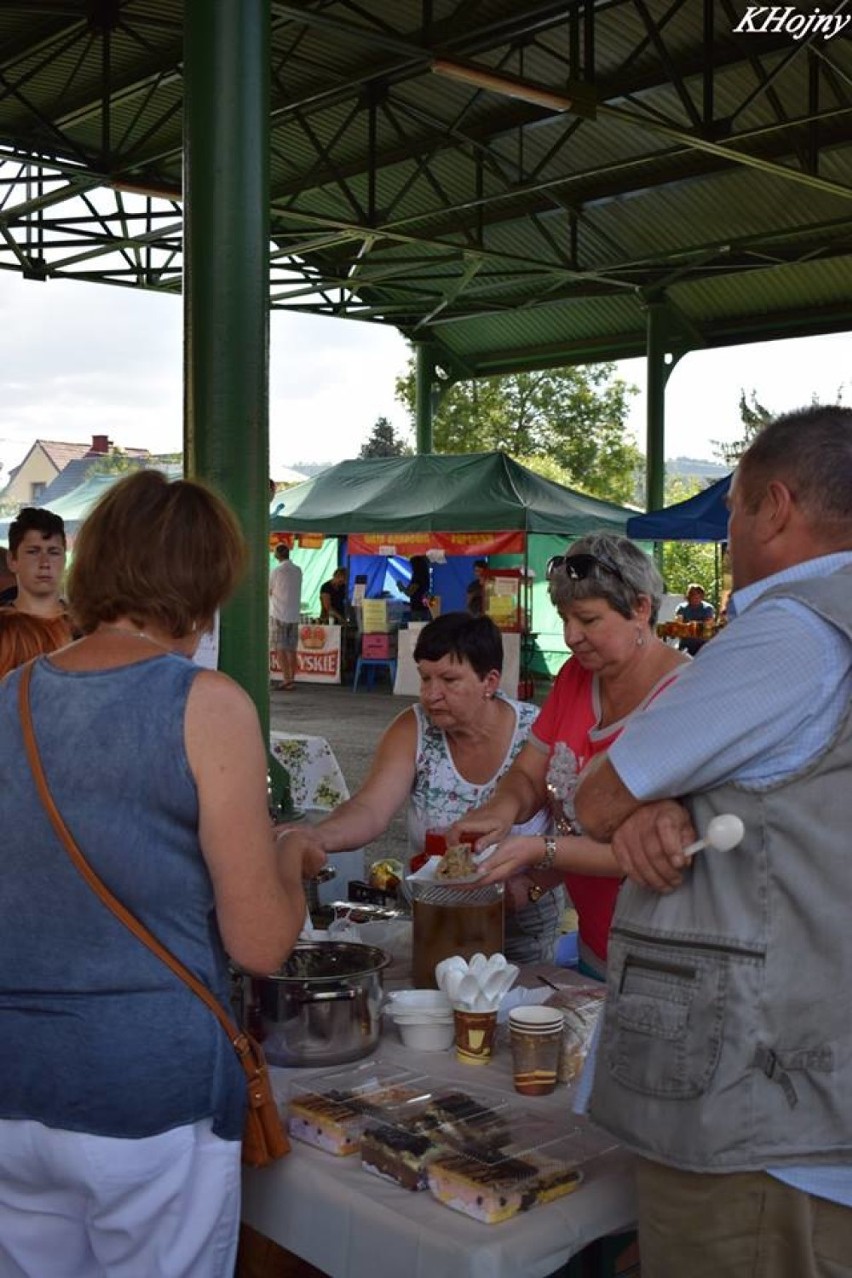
<point>96,1034</point>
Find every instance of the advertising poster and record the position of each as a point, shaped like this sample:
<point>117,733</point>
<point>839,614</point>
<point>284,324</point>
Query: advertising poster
<point>318,656</point>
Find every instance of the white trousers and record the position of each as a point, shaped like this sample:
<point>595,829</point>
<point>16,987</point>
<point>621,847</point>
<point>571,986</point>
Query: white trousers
<point>80,1206</point>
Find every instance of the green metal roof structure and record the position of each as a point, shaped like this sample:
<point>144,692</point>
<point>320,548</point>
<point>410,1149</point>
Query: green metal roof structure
<point>514,182</point>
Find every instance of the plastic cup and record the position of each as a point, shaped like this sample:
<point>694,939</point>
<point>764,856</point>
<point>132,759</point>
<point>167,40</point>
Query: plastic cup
<point>435,843</point>
<point>474,1034</point>
<point>535,1036</point>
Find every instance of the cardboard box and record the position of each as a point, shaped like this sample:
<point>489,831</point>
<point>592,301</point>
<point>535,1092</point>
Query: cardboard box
<point>374,616</point>
<point>379,647</point>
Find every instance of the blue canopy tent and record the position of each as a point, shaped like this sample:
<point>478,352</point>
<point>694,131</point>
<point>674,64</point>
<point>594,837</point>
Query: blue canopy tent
<point>703,517</point>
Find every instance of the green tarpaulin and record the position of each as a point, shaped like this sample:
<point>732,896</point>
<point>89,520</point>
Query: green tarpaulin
<point>486,492</point>
<point>473,492</point>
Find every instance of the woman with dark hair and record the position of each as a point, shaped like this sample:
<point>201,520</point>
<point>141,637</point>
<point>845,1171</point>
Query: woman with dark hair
<point>607,592</point>
<point>443,757</point>
<point>121,1097</point>
<point>419,588</point>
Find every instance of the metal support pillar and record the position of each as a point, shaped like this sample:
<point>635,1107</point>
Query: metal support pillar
<point>658,375</point>
<point>226,297</point>
<point>425,372</point>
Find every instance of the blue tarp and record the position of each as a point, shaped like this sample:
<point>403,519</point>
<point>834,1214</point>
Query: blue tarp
<point>703,517</point>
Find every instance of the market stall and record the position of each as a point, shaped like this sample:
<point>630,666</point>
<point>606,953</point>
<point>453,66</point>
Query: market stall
<point>454,508</point>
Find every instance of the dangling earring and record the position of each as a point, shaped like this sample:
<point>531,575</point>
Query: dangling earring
<point>640,640</point>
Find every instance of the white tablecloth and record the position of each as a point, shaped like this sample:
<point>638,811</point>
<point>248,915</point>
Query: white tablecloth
<point>354,1225</point>
<point>316,780</point>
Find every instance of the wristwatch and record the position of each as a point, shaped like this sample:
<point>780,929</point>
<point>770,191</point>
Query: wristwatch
<point>546,862</point>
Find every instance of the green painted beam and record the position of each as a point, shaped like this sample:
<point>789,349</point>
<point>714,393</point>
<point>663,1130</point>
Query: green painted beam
<point>424,370</point>
<point>226,313</point>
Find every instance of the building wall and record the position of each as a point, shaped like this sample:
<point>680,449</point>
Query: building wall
<point>36,469</point>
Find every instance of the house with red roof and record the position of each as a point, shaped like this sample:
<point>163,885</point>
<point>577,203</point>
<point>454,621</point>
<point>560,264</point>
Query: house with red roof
<point>47,459</point>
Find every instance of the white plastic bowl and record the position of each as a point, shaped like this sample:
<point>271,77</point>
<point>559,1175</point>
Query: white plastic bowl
<point>419,1001</point>
<point>422,1018</point>
<point>427,1036</point>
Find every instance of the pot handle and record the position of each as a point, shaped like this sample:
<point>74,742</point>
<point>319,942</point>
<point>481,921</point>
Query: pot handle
<point>326,996</point>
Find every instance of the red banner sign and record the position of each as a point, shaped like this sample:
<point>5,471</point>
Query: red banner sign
<point>462,543</point>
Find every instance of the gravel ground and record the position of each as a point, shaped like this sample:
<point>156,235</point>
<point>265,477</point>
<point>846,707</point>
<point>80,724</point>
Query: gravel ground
<point>352,723</point>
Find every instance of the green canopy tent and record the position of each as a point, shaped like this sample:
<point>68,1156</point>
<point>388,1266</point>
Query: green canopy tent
<point>456,493</point>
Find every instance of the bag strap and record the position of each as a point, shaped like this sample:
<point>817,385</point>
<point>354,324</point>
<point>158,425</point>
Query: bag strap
<point>239,1040</point>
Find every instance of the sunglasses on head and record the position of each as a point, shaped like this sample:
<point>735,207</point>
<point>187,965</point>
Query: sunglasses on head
<point>579,567</point>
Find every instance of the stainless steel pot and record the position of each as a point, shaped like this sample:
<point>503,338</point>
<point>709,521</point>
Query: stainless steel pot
<point>322,1008</point>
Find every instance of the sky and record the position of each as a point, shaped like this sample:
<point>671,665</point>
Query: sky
<point>82,359</point>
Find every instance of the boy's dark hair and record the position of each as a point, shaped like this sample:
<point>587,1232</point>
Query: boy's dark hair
<point>473,639</point>
<point>282,552</point>
<point>35,519</point>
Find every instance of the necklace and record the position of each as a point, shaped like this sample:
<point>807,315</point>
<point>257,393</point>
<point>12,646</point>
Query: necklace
<point>136,634</point>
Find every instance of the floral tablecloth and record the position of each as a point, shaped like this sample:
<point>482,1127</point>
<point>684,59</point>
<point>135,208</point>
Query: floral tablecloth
<point>315,777</point>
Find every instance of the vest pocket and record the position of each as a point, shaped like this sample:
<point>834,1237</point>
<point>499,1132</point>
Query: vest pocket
<point>665,1020</point>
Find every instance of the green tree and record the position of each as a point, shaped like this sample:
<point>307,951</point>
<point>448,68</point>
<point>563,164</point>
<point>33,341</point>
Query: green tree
<point>115,462</point>
<point>574,418</point>
<point>384,441</point>
<point>754,417</point>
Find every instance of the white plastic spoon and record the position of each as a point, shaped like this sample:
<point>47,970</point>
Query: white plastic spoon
<point>454,964</point>
<point>498,984</point>
<point>467,992</point>
<point>451,984</point>
<point>723,833</point>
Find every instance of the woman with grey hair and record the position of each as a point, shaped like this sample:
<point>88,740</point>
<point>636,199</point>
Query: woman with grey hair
<point>607,592</point>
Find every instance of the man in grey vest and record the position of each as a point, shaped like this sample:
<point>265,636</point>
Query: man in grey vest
<point>725,1058</point>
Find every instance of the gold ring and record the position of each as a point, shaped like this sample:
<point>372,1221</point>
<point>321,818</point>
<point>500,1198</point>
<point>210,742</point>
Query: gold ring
<point>535,892</point>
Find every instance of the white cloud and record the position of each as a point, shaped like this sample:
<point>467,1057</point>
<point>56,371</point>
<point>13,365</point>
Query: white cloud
<point>83,358</point>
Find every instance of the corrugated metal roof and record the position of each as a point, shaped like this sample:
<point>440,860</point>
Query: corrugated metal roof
<point>710,174</point>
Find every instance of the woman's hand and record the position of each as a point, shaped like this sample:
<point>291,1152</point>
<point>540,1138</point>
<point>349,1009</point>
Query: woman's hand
<point>511,864</point>
<point>515,855</point>
<point>306,844</point>
<point>491,824</point>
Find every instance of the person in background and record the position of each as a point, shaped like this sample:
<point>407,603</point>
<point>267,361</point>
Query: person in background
<point>444,756</point>
<point>607,592</point>
<point>475,601</point>
<point>8,583</point>
<point>36,558</point>
<point>35,617</point>
<point>285,605</point>
<point>695,609</point>
<point>726,1054</point>
<point>419,588</point>
<point>333,598</point>
<point>121,1098</point>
